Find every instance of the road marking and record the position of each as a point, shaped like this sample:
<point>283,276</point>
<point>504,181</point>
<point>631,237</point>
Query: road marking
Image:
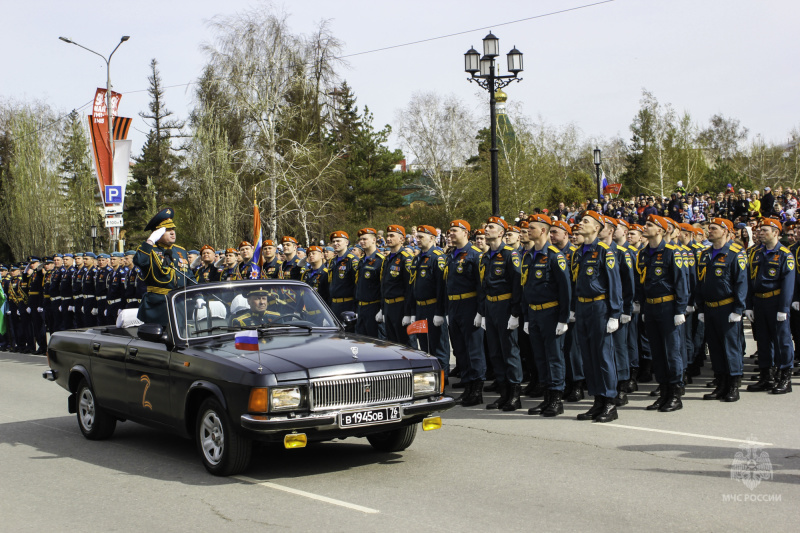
<point>305,494</point>
<point>697,435</point>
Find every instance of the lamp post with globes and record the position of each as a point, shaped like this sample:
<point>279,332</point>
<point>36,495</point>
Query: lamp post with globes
<point>597,153</point>
<point>482,70</point>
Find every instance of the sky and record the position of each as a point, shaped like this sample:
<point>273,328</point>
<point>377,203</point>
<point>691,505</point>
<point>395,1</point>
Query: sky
<point>586,67</point>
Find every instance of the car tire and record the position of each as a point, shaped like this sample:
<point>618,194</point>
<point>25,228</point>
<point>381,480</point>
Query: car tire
<point>223,451</point>
<point>95,424</point>
<point>395,440</point>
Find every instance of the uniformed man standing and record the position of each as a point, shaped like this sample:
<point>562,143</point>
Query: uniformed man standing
<point>501,290</point>
<point>135,286</point>
<point>429,295</point>
<point>597,304</point>
<point>271,263</point>
<point>247,269</point>
<point>102,280</point>
<point>54,291</point>
<point>230,265</point>
<point>36,305</point>
<point>207,272</point>
<point>368,283</point>
<point>77,290</point>
<point>88,290</point>
<point>771,293</point>
<point>546,301</point>
<point>291,267</point>
<point>67,318</point>
<point>396,304</point>
<point>115,300</point>
<point>342,274</point>
<point>316,275</point>
<point>17,299</point>
<point>720,297</point>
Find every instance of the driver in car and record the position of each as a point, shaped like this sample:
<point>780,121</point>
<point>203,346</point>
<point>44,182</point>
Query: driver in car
<point>258,314</point>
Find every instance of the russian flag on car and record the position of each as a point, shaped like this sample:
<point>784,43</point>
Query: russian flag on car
<point>246,340</point>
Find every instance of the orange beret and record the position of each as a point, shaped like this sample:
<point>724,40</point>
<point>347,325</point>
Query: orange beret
<point>698,231</point>
<point>658,221</point>
<point>595,215</point>
<point>624,222</point>
<point>269,242</point>
<point>338,235</point>
<point>287,238</point>
<point>499,221</point>
<point>430,230</point>
<point>515,229</point>
<point>314,249</point>
<point>367,231</point>
<point>611,220</point>
<point>722,222</point>
<point>244,243</point>
<point>543,219</point>
<point>636,227</point>
<point>232,251</point>
<point>463,224</point>
<point>480,231</point>
<point>394,228</point>
<point>562,225</point>
<point>207,247</point>
<point>686,227</point>
<point>524,224</point>
<point>773,222</point>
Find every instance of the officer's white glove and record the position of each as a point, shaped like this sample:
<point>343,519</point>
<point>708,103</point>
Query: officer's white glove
<point>781,317</point>
<point>447,319</point>
<point>477,321</point>
<point>407,320</point>
<point>679,319</point>
<point>613,325</point>
<point>156,235</point>
<point>438,320</point>
<point>40,310</point>
<point>526,327</point>
<point>379,317</point>
<point>94,312</point>
<point>18,313</point>
<point>105,312</point>
<point>624,319</point>
<point>701,317</point>
<point>513,322</point>
<point>483,324</point>
<point>637,308</point>
<point>734,317</point>
<point>572,316</point>
<point>119,311</point>
<point>689,309</point>
<point>59,308</point>
<point>199,303</point>
<point>28,310</point>
<point>71,308</point>
<point>749,314</point>
<point>796,306</point>
<point>561,328</point>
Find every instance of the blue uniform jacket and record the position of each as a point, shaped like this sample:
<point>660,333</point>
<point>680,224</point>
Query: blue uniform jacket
<point>545,277</point>
<point>500,275</point>
<point>368,277</point>
<point>396,278</point>
<point>427,279</point>
<point>772,270</point>
<point>595,273</point>
<point>462,275</point>
<point>660,274</point>
<point>721,274</point>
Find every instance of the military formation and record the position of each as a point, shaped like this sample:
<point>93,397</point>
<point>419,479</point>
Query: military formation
<point>593,308</point>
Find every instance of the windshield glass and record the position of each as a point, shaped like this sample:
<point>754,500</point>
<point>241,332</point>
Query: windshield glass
<point>209,311</point>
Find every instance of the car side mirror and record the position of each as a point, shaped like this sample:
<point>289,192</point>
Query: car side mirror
<point>152,333</point>
<point>348,318</point>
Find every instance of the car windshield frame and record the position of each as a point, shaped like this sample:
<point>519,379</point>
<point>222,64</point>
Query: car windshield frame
<point>181,305</point>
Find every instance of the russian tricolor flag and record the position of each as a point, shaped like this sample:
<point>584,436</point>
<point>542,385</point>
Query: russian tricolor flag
<point>246,340</point>
<point>257,236</point>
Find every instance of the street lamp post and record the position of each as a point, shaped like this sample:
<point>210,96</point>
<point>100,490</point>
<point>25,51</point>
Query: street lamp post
<point>597,153</point>
<point>492,82</point>
<point>94,237</point>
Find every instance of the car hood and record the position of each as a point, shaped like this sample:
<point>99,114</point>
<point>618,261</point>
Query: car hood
<point>300,355</point>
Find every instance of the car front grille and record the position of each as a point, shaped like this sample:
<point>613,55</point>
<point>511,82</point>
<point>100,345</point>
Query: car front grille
<point>361,389</point>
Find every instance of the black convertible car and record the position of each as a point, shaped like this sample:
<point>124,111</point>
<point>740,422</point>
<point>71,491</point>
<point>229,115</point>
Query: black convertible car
<point>250,360</point>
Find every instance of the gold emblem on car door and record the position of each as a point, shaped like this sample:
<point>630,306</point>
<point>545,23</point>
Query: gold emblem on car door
<point>146,380</point>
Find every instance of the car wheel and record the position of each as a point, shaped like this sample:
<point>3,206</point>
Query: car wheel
<point>95,423</point>
<point>395,440</point>
<point>223,451</point>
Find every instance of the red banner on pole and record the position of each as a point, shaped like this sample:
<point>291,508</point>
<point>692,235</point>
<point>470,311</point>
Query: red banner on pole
<point>420,326</point>
<point>98,122</point>
<point>612,188</point>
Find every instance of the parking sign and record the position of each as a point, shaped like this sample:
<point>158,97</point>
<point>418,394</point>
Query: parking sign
<point>113,194</point>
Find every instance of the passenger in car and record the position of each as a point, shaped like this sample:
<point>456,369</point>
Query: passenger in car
<point>258,315</point>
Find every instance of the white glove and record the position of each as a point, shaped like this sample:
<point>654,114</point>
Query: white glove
<point>28,310</point>
<point>483,324</point>
<point>734,317</point>
<point>572,316</point>
<point>59,308</point>
<point>40,310</point>
<point>781,317</point>
<point>637,308</point>
<point>119,311</point>
<point>407,320</point>
<point>561,328</point>
<point>156,235</point>
<point>701,317</point>
<point>94,312</point>
<point>624,319</point>
<point>379,317</point>
<point>526,327</point>
<point>438,320</point>
<point>613,325</point>
<point>796,306</point>
<point>447,319</point>
<point>749,314</point>
<point>478,321</point>
<point>199,303</point>
<point>679,319</point>
<point>513,322</point>
<point>105,312</point>
<point>18,313</point>
<point>71,308</point>
<point>689,309</point>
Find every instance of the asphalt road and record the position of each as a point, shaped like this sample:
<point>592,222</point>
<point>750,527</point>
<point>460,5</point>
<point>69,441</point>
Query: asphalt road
<point>483,471</point>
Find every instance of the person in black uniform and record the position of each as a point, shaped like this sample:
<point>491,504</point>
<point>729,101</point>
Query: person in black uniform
<point>247,269</point>
<point>720,299</point>
<point>597,304</point>
<point>368,283</point>
<point>115,300</point>
<point>53,290</point>
<point>546,297</point>
<point>8,334</point>
<point>499,308</point>
<point>429,295</point>
<point>135,287</point>
<point>769,298</point>
<point>67,318</point>
<point>77,290</point>
<point>207,272</point>
<point>102,279</point>
<point>89,290</point>
<point>164,266</point>
<point>342,274</point>
<point>292,266</point>
<point>316,275</point>
<point>36,305</point>
<point>16,299</point>
<point>396,303</point>
<point>259,314</point>
<point>271,264</point>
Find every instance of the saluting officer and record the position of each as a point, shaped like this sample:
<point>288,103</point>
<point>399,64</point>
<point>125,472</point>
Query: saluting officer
<point>271,264</point>
<point>720,299</point>
<point>396,305</point>
<point>368,283</point>
<point>135,287</point>
<point>342,274</point>
<point>500,310</point>
<point>771,292</point>
<point>662,295</point>
<point>546,300</point>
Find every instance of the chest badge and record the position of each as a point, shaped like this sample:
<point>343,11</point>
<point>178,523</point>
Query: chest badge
<point>718,272</point>
<point>658,271</point>
<point>538,274</point>
<point>589,271</point>
<point>562,263</point>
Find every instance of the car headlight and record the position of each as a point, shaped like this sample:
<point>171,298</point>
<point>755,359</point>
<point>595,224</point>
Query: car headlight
<point>285,398</point>
<point>425,383</point>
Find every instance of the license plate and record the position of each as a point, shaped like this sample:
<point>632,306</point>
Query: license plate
<point>366,417</point>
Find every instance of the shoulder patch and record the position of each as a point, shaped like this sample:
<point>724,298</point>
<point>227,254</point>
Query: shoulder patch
<point>741,260</point>
<point>621,247</point>
<point>785,250</point>
<point>405,253</point>
<point>735,247</point>
<point>438,252</point>
<point>477,249</point>
<point>602,245</point>
<point>378,254</point>
<point>553,249</point>
<point>507,247</point>
<point>669,246</point>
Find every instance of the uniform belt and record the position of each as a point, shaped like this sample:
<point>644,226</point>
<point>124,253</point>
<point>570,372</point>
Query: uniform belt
<point>158,290</point>
<point>55,297</point>
<point>115,301</point>
<point>395,300</point>
<point>77,296</point>
<point>583,300</point>
<point>88,296</point>
<point>34,293</point>
<point>101,297</point>
<point>427,302</point>
<point>539,307</point>
<point>47,296</point>
<point>661,299</point>
<point>726,301</point>
<point>464,296</point>
<point>768,294</point>
<point>131,300</point>
<point>369,303</point>
<point>500,298</point>
<point>341,300</point>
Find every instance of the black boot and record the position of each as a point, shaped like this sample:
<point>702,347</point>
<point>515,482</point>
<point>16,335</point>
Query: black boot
<point>514,402</point>
<point>764,383</point>
<point>693,370</point>
<point>555,406</point>
<point>622,398</point>
<point>465,393</point>
<point>529,388</point>
<point>655,406</point>
<point>784,384</point>
<point>609,411</point>
<point>537,391</point>
<point>461,384</point>
<point>732,394</point>
<point>659,391</point>
<point>577,391</point>
<point>455,372</point>
<point>719,392</point>
<point>492,387</point>
<point>645,371</point>
<point>630,385</point>
<point>539,408</point>
<point>673,399</point>
<point>597,406</point>
<point>714,383</point>
<point>476,394</point>
<point>503,388</point>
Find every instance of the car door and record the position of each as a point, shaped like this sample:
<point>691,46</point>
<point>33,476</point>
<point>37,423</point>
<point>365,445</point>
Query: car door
<point>148,383</point>
<point>108,371</point>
